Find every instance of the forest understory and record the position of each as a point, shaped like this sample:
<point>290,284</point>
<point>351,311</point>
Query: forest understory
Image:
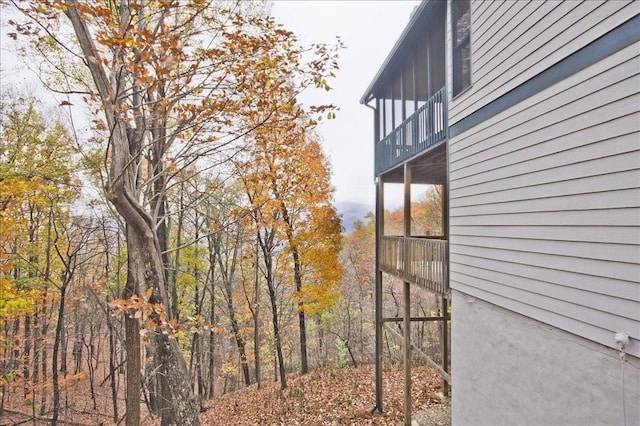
<point>324,396</point>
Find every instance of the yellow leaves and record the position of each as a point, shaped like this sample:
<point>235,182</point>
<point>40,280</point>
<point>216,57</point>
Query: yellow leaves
<point>13,301</point>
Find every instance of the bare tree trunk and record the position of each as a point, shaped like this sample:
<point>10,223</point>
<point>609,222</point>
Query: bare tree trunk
<point>26,354</point>
<point>297,277</point>
<point>145,263</point>
<point>56,348</point>
<point>212,342</point>
<point>90,366</point>
<point>212,317</point>
<point>36,361</point>
<point>110,325</point>
<point>148,269</point>
<point>44,359</point>
<point>132,348</point>
<point>256,319</point>
<point>276,327</point>
<point>112,368</point>
<point>227,269</point>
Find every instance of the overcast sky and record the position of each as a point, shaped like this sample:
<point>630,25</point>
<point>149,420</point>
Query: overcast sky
<point>369,29</point>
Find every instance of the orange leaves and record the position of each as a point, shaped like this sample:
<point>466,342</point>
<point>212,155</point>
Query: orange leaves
<point>329,396</point>
<point>140,308</point>
<point>114,42</point>
<point>154,317</point>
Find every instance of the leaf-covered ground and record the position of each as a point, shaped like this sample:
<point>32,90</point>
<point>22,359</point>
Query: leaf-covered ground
<point>327,396</point>
<point>332,396</point>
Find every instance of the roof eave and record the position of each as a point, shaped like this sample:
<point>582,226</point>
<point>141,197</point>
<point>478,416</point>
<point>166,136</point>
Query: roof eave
<point>415,18</point>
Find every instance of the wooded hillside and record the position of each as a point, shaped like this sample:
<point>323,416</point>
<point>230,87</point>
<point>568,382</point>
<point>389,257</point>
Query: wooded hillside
<point>181,243</point>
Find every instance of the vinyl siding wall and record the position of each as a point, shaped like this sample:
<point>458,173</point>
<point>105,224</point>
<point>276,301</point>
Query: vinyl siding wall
<point>545,196</point>
<point>515,40</point>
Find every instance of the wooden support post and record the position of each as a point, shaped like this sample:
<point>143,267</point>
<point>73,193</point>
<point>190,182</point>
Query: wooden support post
<point>446,300</point>
<point>444,343</point>
<point>378,292</point>
<point>407,299</point>
<point>407,352</point>
<point>445,211</point>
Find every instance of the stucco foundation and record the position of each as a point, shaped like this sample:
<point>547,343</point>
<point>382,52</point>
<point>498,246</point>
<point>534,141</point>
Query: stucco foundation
<point>511,370</point>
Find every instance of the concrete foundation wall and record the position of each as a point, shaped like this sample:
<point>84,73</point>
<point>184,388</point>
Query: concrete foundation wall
<point>511,370</point>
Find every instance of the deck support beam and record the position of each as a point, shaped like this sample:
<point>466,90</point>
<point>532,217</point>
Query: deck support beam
<point>417,319</point>
<point>395,333</point>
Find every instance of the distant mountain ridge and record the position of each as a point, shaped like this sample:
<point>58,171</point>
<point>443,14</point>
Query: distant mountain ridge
<point>352,212</point>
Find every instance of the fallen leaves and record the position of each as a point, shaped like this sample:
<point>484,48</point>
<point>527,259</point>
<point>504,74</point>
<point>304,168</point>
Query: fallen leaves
<point>327,396</point>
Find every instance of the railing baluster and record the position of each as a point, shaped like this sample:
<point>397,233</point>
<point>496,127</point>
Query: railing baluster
<point>424,128</point>
<point>425,262</point>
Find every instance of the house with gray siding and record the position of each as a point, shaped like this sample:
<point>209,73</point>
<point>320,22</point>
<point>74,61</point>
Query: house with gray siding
<point>527,114</point>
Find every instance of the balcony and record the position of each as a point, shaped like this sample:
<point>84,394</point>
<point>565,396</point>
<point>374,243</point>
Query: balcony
<point>422,130</point>
<point>421,261</point>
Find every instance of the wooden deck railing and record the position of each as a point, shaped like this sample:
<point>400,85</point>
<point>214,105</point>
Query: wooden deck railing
<point>421,261</point>
<point>423,129</point>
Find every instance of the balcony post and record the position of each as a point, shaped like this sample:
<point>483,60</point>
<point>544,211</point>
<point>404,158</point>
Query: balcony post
<point>407,297</point>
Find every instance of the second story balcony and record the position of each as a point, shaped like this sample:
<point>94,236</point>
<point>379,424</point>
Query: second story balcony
<point>421,130</point>
<point>408,94</point>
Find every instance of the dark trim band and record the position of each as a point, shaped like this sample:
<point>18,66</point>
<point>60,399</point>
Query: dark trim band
<point>610,43</point>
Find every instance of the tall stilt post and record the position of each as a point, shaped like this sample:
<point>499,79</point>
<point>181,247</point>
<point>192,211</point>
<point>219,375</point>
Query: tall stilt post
<point>378,293</point>
<point>444,302</point>
<point>407,299</point>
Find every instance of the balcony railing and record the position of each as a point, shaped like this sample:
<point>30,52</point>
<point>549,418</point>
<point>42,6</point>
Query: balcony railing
<point>420,261</point>
<point>423,129</point>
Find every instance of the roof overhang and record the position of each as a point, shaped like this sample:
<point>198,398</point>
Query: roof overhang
<point>404,44</point>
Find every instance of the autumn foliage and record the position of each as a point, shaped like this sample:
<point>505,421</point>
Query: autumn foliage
<point>184,243</point>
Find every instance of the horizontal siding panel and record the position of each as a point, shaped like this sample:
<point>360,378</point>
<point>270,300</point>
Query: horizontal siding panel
<point>619,66</point>
<point>598,282</point>
<point>506,17</point>
<point>628,309</point>
<point>580,328</point>
<point>553,36</point>
<point>490,46</point>
<point>611,217</point>
<point>574,311</point>
<point>578,249</point>
<point>613,137</point>
<point>550,197</point>
<point>549,41</point>
<point>620,84</point>
<point>527,135</point>
<point>586,234</point>
<point>620,271</point>
<point>599,194</point>
<point>570,172</point>
<point>558,123</point>
<point>480,8</point>
<point>486,12</point>
<point>550,155</point>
